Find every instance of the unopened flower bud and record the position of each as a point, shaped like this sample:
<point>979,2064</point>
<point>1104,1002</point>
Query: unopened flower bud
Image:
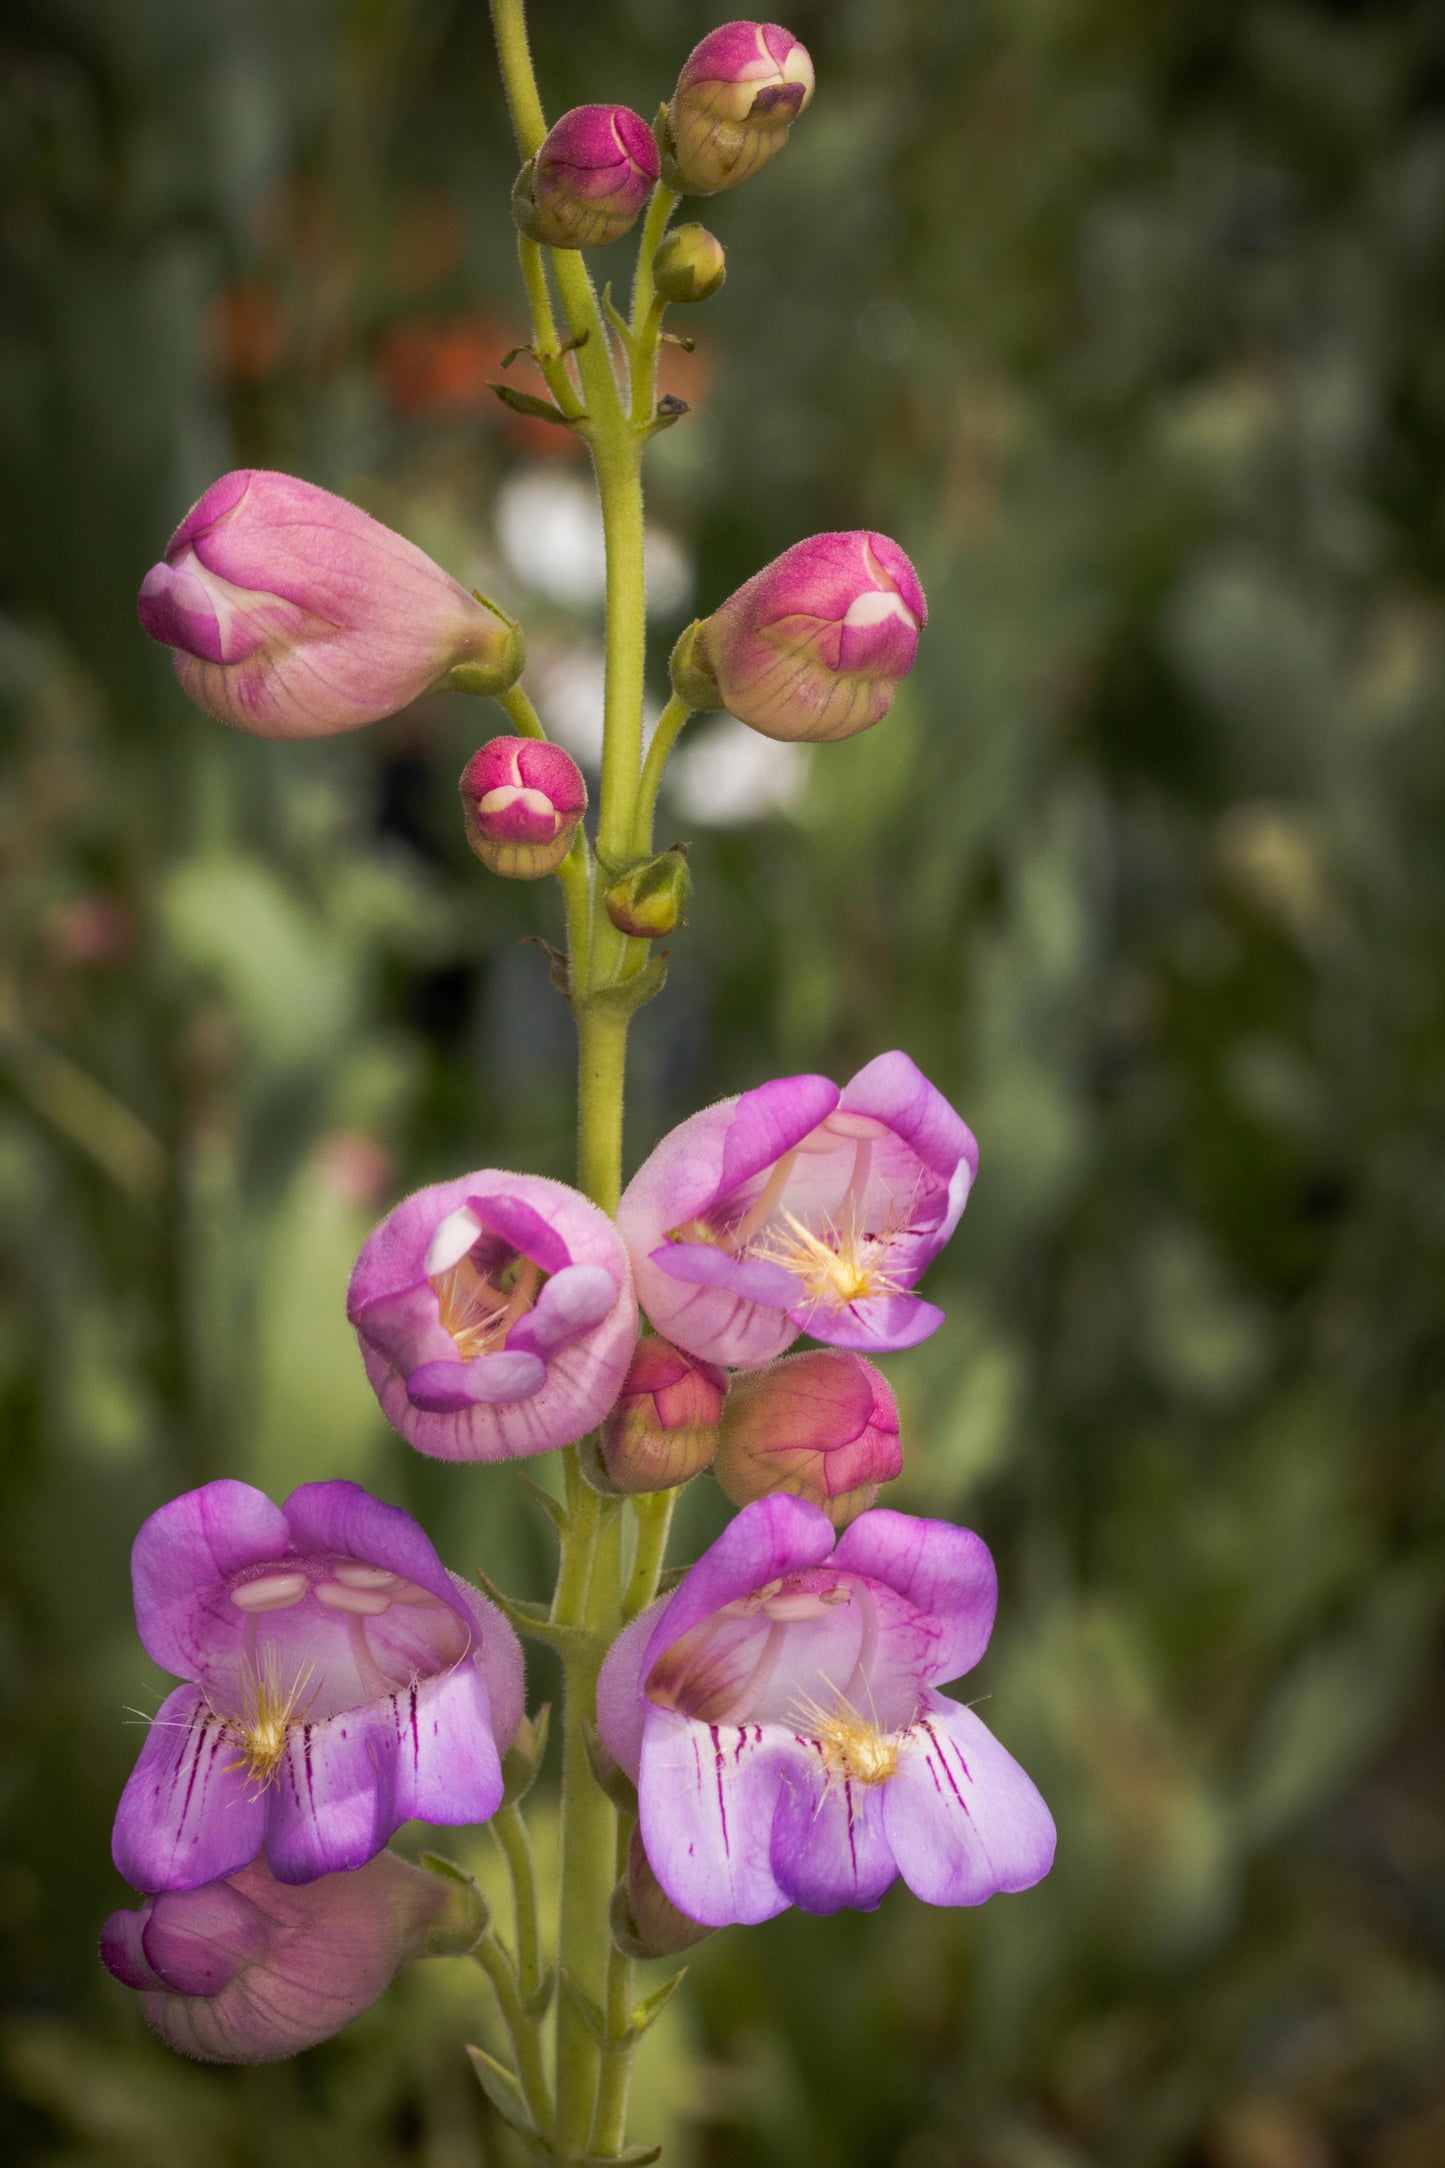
<point>589,180</point>
<point>692,680</point>
<point>644,1920</point>
<point>663,1429</point>
<point>523,1757</point>
<point>739,93</point>
<point>522,799</point>
<point>823,1426</point>
<point>293,614</point>
<point>812,647</point>
<point>651,898</point>
<point>690,265</point>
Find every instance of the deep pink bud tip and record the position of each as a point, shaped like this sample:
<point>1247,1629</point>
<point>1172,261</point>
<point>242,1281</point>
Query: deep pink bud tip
<point>522,800</point>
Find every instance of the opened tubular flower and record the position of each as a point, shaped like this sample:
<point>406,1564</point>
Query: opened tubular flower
<point>800,1208</point>
<point>779,1713</point>
<point>821,1426</point>
<point>739,92</point>
<point>293,614</point>
<point>496,1316</point>
<point>248,1970</point>
<point>812,647</point>
<point>339,1681</point>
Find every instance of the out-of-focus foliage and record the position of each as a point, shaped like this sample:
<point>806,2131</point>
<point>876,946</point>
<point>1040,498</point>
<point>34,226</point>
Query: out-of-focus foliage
<point>1127,321</point>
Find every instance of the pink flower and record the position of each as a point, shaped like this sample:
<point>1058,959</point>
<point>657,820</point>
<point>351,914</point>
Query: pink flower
<point>800,1208</point>
<point>812,646</point>
<point>294,614</point>
<point>248,1970</point>
<point>780,1714</point>
<point>663,1429</point>
<point>821,1426</point>
<point>496,1316</point>
<point>522,800</point>
<point>739,93</point>
<point>589,180</point>
<point>339,1682</point>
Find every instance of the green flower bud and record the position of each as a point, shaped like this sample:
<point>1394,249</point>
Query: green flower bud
<point>692,676</point>
<point>651,898</point>
<point>690,265</point>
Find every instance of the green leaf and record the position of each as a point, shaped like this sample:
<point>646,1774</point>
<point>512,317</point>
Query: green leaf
<point>504,2091</point>
<point>650,2009</point>
<point>553,1507</point>
<point>590,2011</point>
<point>527,402</point>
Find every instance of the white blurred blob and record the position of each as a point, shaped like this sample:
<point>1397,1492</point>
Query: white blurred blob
<point>567,684</point>
<point>550,530</point>
<point>728,775</point>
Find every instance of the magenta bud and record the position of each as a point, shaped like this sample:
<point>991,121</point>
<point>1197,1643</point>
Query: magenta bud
<point>589,180</point>
<point>249,1969</point>
<point>739,93</point>
<point>522,799</point>
<point>663,1429</point>
<point>823,1426</point>
<point>644,1920</point>
<point>293,614</point>
<point>812,646</point>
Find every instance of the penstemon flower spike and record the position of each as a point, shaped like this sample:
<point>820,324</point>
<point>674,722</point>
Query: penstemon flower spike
<point>770,1733</point>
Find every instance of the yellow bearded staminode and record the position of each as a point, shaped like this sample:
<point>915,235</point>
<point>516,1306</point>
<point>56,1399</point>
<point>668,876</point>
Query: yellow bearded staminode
<point>839,1266</point>
<point>855,1750</point>
<point>271,1708</point>
<point>478,1311</point>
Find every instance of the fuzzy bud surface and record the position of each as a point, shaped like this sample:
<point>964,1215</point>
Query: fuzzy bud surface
<point>690,265</point>
<point>249,1970</point>
<point>812,647</point>
<point>293,614</point>
<point>821,1426</point>
<point>589,180</point>
<point>738,94</point>
<point>522,800</point>
<point>663,1428</point>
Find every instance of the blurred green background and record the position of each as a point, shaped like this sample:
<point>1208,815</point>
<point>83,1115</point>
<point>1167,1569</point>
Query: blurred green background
<point>1126,319</point>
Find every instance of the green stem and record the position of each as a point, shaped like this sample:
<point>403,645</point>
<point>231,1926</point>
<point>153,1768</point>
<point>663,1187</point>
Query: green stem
<point>509,28</point>
<point>609,2124</point>
<point>510,1831</point>
<point>648,308</point>
<point>523,2030</point>
<point>654,1523</point>
<point>520,712</point>
<point>547,347</point>
<point>669,723</point>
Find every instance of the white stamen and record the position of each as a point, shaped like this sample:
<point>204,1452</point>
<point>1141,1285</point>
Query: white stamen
<point>364,1602</point>
<point>357,1576</point>
<point>272,1592</point>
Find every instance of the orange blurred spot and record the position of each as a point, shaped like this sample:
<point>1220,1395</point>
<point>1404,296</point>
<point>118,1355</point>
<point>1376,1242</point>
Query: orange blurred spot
<point>247,333</point>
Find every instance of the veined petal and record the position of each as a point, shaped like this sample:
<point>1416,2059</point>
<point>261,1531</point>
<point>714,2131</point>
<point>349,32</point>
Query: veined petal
<point>573,1301</point>
<point>963,1819</point>
<point>772,1537</point>
<point>702,1264</point>
<point>188,1814</point>
<point>946,1573</point>
<point>621,1708</point>
<point>181,1561</point>
<point>707,1794</point>
<point>879,1325</point>
<point>446,1388</point>
<point>829,1850</point>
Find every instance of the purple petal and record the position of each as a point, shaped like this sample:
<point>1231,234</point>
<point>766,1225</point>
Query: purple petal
<point>707,1796</point>
<point>341,1516</point>
<point>527,1225</point>
<point>349,1782</point>
<point>946,1573</point>
<point>180,1563</point>
<point>447,1388</point>
<point>122,1949</point>
<point>963,1819</point>
<point>188,1815</point>
<point>771,1537</point>
<point>573,1301</point>
<point>621,1705</point>
<point>894,1090</point>
<point>829,1850</point>
<point>879,1326</point>
<point>701,1264</point>
<point>198,1940</point>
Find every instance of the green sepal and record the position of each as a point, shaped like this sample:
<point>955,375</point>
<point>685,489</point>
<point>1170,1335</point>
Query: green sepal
<point>503,2089</point>
<point>649,898</point>
<point>651,2007</point>
<point>523,1757</point>
<point>539,2001</point>
<point>629,994</point>
<point>470,1917</point>
<point>527,402</point>
<point>593,2016</point>
<point>554,1509</point>
<point>532,1619</point>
